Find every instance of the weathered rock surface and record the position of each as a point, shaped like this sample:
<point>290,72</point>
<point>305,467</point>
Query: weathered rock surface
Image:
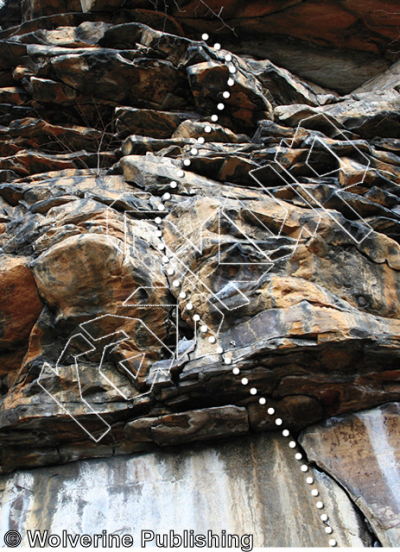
<point>362,452</point>
<point>387,80</point>
<point>224,487</point>
<point>321,41</point>
<point>196,243</point>
<point>365,114</point>
<point>194,425</point>
<point>19,309</point>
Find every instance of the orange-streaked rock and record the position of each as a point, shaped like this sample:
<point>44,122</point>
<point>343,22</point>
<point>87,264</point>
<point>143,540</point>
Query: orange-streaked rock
<point>20,307</point>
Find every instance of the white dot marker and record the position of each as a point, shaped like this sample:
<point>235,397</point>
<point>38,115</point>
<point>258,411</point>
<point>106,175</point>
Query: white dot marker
<point>158,233</point>
<point>245,381</point>
<point>278,421</point>
<point>228,360</point>
<point>298,456</point>
<point>201,139</point>
<point>253,391</point>
<point>231,82</point>
<point>182,295</point>
<point>310,481</point>
<point>158,220</point>
<point>176,283</point>
<point>220,106</point>
<point>181,174</point>
<point>217,46</point>
<point>165,260</point>
<point>173,184</point>
<point>187,162</point>
<point>161,207</point>
<point>204,329</point>
<point>170,271</point>
<point>319,505</point>
<point>194,151</point>
<point>304,468</point>
<point>324,517</point>
<point>226,94</point>
<point>205,36</point>
<point>262,400</point>
<point>292,444</point>
<point>286,433</point>
<point>166,196</point>
<point>220,351</point>
<point>228,57</point>
<point>212,339</point>
<point>332,542</point>
<point>271,411</point>
<point>232,68</point>
<point>328,530</point>
<point>196,317</point>
<point>314,492</point>
<point>189,306</point>
<point>214,118</point>
<point>208,129</point>
<point>236,371</point>
<point>161,245</point>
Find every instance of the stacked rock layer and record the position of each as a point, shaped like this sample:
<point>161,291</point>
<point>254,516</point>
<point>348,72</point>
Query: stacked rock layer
<point>185,230</point>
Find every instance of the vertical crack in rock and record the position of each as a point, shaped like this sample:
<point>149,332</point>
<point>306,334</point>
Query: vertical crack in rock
<point>361,452</point>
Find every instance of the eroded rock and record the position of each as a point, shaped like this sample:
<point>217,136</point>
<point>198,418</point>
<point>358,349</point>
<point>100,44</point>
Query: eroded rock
<point>20,307</point>
<point>164,488</point>
<point>185,230</point>
<point>361,451</point>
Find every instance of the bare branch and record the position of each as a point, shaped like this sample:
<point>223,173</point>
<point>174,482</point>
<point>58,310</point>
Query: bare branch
<point>218,16</point>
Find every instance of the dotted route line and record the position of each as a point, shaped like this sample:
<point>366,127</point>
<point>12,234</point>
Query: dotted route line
<point>204,329</point>
<point>227,359</point>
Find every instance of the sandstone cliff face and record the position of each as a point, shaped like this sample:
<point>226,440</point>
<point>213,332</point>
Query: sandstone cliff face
<point>227,487</point>
<point>374,481</point>
<point>198,243</point>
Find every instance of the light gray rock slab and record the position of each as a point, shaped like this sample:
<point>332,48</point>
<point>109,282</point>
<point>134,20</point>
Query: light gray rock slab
<point>251,486</point>
<point>362,452</point>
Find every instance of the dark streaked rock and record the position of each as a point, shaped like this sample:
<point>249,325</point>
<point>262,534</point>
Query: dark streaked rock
<point>361,451</point>
<point>149,122</point>
<point>174,429</point>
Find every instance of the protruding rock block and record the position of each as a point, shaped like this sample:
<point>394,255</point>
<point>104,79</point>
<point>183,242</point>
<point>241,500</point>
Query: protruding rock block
<point>149,122</point>
<point>205,424</point>
<point>246,103</point>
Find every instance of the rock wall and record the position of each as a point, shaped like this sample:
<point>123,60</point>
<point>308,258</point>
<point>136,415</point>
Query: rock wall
<point>225,487</point>
<point>371,436</point>
<point>201,243</point>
